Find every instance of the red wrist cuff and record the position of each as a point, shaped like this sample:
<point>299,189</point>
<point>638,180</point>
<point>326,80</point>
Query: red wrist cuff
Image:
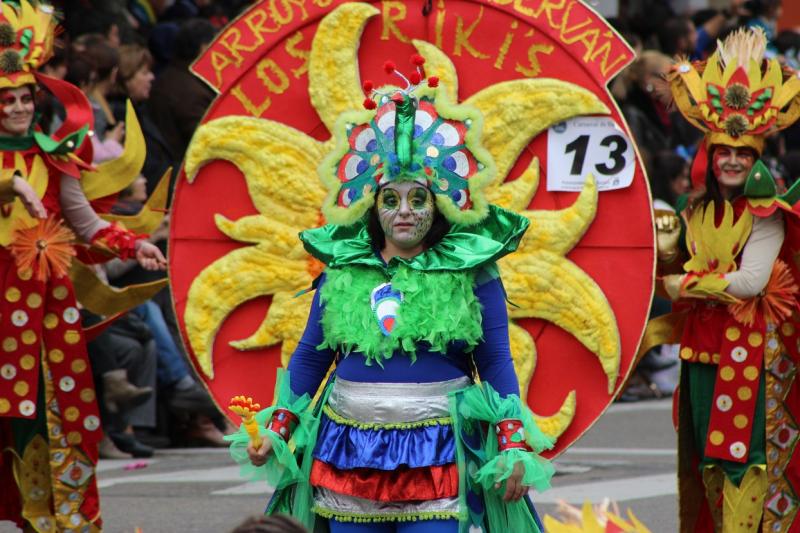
<point>119,241</point>
<point>283,423</point>
<point>511,434</point>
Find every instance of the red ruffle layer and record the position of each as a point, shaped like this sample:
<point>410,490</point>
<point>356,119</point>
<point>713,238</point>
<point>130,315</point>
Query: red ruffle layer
<point>405,484</point>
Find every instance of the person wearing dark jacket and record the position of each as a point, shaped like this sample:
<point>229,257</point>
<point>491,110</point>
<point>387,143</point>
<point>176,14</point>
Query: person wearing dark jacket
<point>134,81</point>
<point>179,100</point>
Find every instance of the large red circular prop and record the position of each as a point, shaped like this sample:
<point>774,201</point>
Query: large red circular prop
<point>258,65</point>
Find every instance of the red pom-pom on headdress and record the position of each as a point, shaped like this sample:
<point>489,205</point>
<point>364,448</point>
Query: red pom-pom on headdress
<point>417,60</point>
<point>389,67</point>
<point>415,78</point>
<point>368,86</point>
<point>369,103</point>
<point>433,82</point>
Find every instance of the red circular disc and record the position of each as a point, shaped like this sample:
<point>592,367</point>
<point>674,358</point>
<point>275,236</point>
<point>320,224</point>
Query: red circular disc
<point>258,65</point>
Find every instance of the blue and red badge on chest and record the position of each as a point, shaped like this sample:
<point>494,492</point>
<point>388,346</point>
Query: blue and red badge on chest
<point>385,302</point>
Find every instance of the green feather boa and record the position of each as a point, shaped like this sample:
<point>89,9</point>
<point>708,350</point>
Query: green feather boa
<point>438,308</point>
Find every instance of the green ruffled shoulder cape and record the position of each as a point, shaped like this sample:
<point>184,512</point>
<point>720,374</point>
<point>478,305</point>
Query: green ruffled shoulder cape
<point>439,304</point>
<point>463,248</point>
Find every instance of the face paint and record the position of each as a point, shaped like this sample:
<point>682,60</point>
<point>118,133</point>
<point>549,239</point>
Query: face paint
<point>731,166</point>
<point>16,111</point>
<point>405,211</point>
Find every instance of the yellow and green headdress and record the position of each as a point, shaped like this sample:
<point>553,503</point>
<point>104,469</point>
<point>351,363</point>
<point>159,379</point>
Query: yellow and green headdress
<point>408,134</point>
<point>27,32</point>
<point>737,97</point>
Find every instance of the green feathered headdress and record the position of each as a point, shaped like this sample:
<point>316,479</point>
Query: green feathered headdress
<point>410,134</point>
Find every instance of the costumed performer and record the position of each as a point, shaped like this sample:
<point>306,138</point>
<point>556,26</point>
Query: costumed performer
<point>411,310</point>
<point>736,298</point>
<point>49,422</point>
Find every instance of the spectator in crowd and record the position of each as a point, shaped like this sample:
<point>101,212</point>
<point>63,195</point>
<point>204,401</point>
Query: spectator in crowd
<point>787,43</point>
<point>764,14</point>
<point>678,37</point>
<point>162,44</point>
<point>669,179</point>
<point>134,81</point>
<point>179,391</point>
<point>83,18</point>
<point>179,99</point>
<point>653,124</point>
<point>93,71</point>
<point>105,60</point>
<point>50,109</point>
<point>791,165</point>
<point>122,352</point>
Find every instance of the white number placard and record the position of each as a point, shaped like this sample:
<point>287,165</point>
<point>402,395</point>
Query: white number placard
<point>589,145</point>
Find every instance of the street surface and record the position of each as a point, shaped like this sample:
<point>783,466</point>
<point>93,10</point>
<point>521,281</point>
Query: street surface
<point>629,456</point>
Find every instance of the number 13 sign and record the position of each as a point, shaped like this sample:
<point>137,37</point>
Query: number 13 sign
<point>589,145</point>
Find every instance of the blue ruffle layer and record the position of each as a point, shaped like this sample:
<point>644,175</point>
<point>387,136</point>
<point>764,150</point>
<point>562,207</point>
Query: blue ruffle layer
<point>347,447</point>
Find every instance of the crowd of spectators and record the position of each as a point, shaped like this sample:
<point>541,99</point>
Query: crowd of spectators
<point>117,51</point>
<point>666,141</point>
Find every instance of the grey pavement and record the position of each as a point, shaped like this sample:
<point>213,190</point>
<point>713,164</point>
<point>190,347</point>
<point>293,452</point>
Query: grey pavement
<point>628,456</point>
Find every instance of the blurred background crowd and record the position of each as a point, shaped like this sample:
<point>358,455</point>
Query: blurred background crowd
<point>140,50</point>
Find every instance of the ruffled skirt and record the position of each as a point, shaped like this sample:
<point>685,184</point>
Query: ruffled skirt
<point>387,452</point>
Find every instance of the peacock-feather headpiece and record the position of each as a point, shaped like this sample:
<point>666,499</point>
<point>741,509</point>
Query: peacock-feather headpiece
<point>27,32</point>
<point>408,134</point>
<point>737,97</point>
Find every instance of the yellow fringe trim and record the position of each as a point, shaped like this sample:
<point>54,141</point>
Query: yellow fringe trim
<point>389,517</point>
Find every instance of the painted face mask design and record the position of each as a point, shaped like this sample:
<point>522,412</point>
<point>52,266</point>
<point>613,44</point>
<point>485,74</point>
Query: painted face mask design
<point>732,165</point>
<point>16,110</point>
<point>405,212</point>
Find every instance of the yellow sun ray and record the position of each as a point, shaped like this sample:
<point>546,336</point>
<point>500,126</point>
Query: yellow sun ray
<point>516,195</point>
<point>559,230</point>
<point>438,64</point>
<point>239,276</point>
<point>278,162</point>
<point>334,83</point>
<point>523,352</point>
<point>517,111</point>
<point>545,285</point>
<point>253,228</point>
<point>556,424</point>
<point>283,324</point>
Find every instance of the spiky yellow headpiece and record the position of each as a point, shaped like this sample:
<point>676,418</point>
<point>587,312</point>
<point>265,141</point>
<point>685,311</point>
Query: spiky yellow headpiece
<point>736,97</point>
<point>27,32</point>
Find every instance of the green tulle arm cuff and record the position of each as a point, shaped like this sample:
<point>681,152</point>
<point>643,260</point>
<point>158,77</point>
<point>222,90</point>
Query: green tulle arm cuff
<point>538,471</point>
<point>281,469</point>
<point>485,404</point>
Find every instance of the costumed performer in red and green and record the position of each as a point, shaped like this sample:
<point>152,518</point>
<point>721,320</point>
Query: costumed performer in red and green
<point>736,297</point>
<point>49,421</point>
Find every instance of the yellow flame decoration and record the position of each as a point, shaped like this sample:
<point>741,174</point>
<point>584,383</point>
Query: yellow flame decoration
<point>713,247</point>
<point>276,161</point>
<point>593,521</point>
<point>19,217</point>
